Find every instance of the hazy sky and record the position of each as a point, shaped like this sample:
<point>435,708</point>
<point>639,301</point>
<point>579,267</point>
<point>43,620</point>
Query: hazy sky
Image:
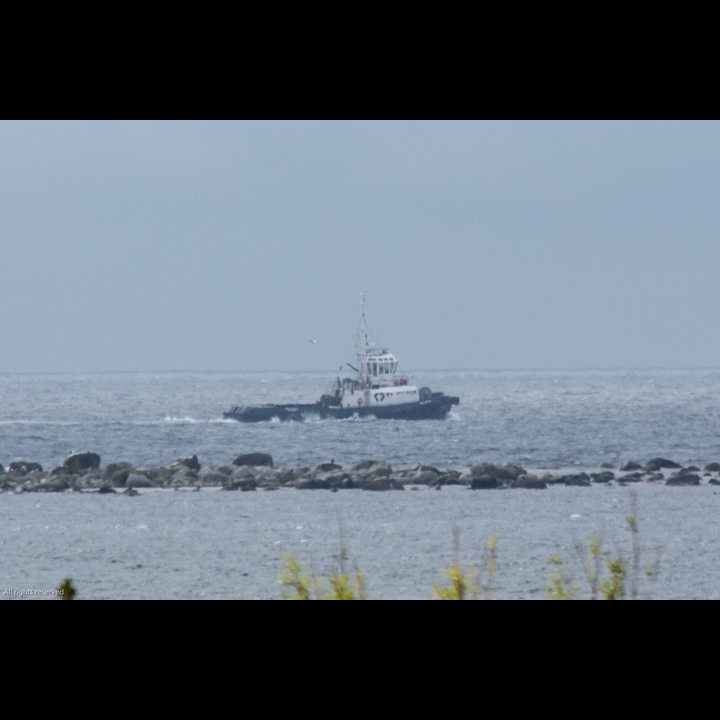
<point>204,245</point>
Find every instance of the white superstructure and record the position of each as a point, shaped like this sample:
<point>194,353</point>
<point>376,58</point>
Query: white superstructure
<point>377,382</point>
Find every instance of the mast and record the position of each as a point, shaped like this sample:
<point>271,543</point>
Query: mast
<point>376,364</point>
<point>361,342</point>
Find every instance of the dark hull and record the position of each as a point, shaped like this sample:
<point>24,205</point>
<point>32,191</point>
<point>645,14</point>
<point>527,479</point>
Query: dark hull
<point>435,408</point>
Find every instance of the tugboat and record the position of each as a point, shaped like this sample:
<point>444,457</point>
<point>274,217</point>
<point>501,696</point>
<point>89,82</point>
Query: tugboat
<point>375,390</point>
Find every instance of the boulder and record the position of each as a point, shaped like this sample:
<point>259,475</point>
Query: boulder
<point>110,469</point>
<point>189,461</point>
<point>54,485</point>
<point>659,463</point>
<point>578,480</point>
<point>244,484</point>
<point>327,467</point>
<point>256,459</point>
<point>362,465</point>
<point>212,476</point>
<point>424,477</point>
<point>82,461</point>
<point>312,483</point>
<point>685,479</point>
<point>632,477</point>
<point>528,482</point>
<point>383,482</point>
<point>453,477</point>
<point>24,466</point>
<point>119,477</point>
<point>184,477</point>
<point>138,480</point>
<point>371,468</point>
<point>483,482</point>
<point>502,473</point>
<point>334,479</point>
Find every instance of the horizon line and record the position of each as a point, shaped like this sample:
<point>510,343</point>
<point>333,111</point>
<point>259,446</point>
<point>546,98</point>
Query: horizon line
<point>613,368</point>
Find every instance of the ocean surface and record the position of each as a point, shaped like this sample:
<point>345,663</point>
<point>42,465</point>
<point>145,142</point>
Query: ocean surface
<point>216,545</point>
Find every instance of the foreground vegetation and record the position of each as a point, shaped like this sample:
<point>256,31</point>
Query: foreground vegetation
<point>594,574</point>
<point>606,576</point>
<point>603,575</point>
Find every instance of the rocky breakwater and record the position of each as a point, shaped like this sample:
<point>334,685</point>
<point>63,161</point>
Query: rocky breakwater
<point>83,472</point>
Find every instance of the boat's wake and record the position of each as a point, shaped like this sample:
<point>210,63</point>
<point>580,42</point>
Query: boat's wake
<point>187,420</point>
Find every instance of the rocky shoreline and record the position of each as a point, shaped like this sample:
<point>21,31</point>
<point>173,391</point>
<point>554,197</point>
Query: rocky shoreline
<point>82,472</point>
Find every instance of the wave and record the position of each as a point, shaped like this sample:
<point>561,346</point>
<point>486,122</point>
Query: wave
<point>47,423</point>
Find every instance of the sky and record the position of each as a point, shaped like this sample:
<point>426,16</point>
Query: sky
<point>228,245</point>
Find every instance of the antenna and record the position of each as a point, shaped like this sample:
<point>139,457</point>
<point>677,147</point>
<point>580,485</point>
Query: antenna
<point>361,336</point>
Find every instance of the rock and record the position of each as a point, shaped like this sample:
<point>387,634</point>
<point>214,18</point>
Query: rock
<point>362,465</point>
<point>371,468</point>
<point>632,477</point>
<point>528,482</point>
<point>333,479</point>
<point>288,476</point>
<point>183,477</point>
<point>712,467</point>
<point>109,470</point>
<point>659,463</point>
<point>383,483</point>
<point>89,481</point>
<point>552,479</point>
<point>82,461</point>
<point>453,477</point>
<point>424,477</point>
<point>578,480</point>
<point>242,471</point>
<point>630,465</point>
<point>120,476</point>
<point>212,476</point>
<point>327,467</point>
<point>504,474</point>
<point>55,485</point>
<point>189,461</point>
<point>483,482</point>
<point>24,466</point>
<point>138,480</point>
<point>255,459</point>
<point>312,483</point>
<point>245,484</point>
<point>683,479</point>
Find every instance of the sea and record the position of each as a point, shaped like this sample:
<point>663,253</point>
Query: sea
<point>216,545</point>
